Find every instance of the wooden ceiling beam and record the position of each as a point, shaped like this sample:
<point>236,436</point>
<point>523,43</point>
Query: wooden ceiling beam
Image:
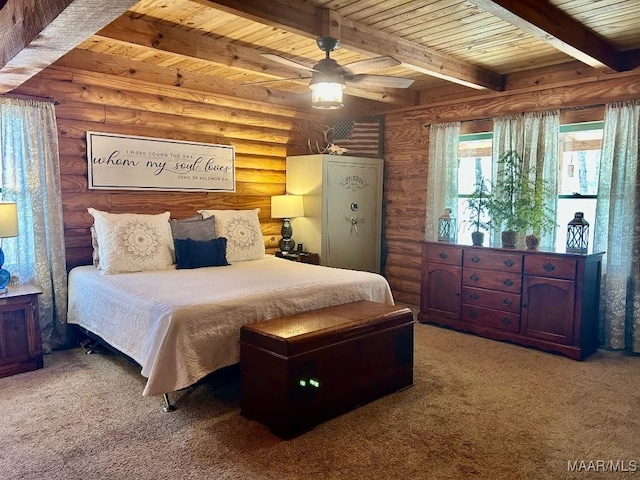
<point>551,25</point>
<point>193,45</point>
<point>22,20</point>
<point>35,33</point>
<point>310,21</point>
<point>631,59</point>
<point>177,82</point>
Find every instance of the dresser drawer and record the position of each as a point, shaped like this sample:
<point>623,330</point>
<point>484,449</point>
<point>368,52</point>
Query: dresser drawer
<point>491,318</point>
<point>550,266</point>
<point>442,254</point>
<point>503,261</point>
<point>494,280</point>
<point>506,301</point>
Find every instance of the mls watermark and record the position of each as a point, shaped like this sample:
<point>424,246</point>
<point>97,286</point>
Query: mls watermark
<point>603,466</point>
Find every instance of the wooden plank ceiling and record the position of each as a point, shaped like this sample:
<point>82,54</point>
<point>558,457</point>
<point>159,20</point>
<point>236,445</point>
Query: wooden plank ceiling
<point>216,45</point>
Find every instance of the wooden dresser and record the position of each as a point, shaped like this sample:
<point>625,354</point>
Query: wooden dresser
<point>540,299</point>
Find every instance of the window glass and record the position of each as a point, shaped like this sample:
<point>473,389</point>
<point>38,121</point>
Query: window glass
<point>474,163</point>
<point>579,167</point>
<point>579,159</point>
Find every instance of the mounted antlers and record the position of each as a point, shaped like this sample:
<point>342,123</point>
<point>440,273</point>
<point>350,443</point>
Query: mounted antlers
<point>329,147</point>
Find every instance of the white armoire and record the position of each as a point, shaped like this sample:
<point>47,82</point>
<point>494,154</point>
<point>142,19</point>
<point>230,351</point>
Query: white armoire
<point>342,208</point>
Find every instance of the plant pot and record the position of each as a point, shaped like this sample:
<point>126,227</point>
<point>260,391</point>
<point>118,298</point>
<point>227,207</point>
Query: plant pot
<point>509,238</point>
<point>532,242</point>
<point>477,238</point>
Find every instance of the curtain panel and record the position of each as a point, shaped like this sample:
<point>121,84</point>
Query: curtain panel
<point>442,176</point>
<point>617,227</point>
<point>31,177</point>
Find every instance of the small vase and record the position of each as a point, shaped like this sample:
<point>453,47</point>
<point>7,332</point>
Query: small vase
<point>532,242</point>
<point>509,238</point>
<point>477,238</point>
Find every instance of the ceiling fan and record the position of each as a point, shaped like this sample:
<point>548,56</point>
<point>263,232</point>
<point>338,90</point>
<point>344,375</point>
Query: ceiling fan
<point>328,78</point>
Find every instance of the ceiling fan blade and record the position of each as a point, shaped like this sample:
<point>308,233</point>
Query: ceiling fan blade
<point>287,62</point>
<point>276,80</point>
<point>370,65</point>
<point>382,81</point>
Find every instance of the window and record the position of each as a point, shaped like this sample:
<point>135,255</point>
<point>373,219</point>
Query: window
<point>579,162</point>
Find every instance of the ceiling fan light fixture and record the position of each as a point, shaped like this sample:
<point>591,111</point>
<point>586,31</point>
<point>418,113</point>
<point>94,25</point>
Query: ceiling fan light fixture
<point>327,92</point>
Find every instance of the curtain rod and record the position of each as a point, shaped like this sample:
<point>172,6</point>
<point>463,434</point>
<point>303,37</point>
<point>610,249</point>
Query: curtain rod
<point>564,109</point>
<point>31,97</point>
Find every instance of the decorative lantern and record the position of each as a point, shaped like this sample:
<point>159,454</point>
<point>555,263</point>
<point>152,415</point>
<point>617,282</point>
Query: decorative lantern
<point>447,227</point>
<point>578,234</point>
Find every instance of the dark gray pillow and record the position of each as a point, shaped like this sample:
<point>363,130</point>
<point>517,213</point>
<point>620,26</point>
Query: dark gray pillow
<point>193,228</point>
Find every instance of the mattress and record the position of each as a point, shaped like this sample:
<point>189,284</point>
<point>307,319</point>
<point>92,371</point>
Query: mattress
<point>181,325</point>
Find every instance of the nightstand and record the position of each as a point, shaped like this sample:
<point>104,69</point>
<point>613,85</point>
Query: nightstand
<point>302,257</point>
<point>19,330</point>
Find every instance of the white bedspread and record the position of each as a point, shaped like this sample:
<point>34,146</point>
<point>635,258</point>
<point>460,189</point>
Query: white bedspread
<point>181,325</point>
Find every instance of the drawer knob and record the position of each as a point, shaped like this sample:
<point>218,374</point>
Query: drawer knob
<point>507,282</point>
<point>474,296</point>
<point>443,255</point>
<point>507,301</point>
<point>509,263</point>
<point>473,314</point>
<point>475,259</point>
<point>549,267</point>
<point>474,278</point>
<point>506,321</point>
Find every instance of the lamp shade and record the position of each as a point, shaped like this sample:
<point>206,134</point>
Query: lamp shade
<point>286,206</point>
<point>8,219</point>
<point>327,93</point>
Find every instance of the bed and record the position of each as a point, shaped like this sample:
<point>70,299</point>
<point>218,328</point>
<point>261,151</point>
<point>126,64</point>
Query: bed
<point>172,294</point>
<point>180,325</point>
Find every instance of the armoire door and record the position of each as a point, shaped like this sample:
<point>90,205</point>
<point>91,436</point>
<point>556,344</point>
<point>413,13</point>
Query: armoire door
<point>352,215</point>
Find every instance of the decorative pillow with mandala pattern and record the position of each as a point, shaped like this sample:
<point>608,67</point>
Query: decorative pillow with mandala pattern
<point>132,242</point>
<point>242,230</point>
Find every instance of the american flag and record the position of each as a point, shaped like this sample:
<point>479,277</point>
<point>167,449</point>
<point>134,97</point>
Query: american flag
<point>362,138</point>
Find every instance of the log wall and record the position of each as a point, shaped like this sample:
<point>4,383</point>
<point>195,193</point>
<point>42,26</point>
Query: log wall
<point>262,134</point>
<point>579,95</point>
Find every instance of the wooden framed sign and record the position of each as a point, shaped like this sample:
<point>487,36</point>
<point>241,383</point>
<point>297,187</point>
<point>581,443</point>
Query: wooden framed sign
<point>127,162</point>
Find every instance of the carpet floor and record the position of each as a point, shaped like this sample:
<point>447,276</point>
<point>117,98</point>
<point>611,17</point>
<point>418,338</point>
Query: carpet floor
<point>478,409</point>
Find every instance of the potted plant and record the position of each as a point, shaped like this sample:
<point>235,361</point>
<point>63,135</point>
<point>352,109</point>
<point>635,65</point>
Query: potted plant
<point>517,202</point>
<point>536,216</point>
<point>476,206</point>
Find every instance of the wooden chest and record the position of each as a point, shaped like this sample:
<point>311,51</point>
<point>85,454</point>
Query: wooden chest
<point>302,369</point>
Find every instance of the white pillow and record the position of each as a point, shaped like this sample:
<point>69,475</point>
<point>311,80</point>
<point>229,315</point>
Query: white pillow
<point>132,242</point>
<point>95,246</point>
<point>242,230</point>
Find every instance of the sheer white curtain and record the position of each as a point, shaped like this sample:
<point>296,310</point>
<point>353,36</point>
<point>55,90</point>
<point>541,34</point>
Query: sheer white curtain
<point>617,227</point>
<point>535,136</point>
<point>442,175</point>
<point>31,177</point>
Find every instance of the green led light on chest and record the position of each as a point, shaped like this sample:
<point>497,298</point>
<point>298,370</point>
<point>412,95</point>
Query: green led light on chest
<point>312,382</point>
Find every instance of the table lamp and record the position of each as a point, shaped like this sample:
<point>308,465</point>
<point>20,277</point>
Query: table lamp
<point>286,207</point>
<point>8,228</point>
